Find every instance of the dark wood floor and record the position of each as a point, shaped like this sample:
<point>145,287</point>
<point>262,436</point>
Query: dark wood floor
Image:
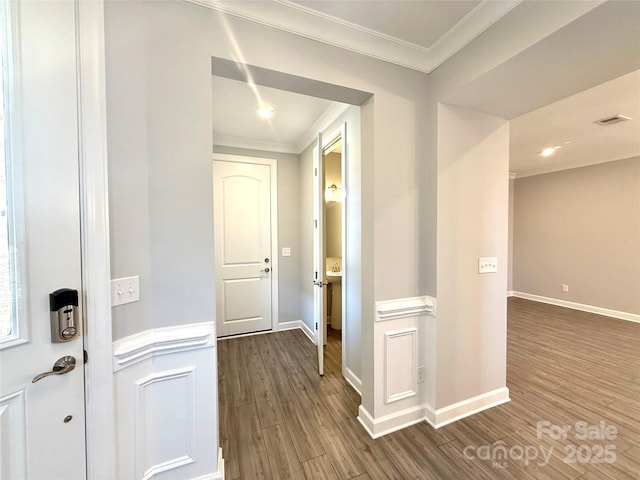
<point>280,420</point>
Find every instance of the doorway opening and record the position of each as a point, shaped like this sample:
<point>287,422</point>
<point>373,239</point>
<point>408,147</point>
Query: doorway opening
<point>285,136</point>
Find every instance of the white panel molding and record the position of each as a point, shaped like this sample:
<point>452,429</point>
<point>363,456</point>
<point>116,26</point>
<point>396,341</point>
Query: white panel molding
<point>353,380</point>
<point>405,308</point>
<point>457,411</point>
<point>13,424</point>
<point>396,365</point>
<point>631,317</point>
<point>161,341</point>
<point>142,416</point>
<point>300,20</point>
<point>378,427</point>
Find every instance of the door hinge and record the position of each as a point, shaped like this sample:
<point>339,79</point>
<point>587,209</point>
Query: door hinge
<point>315,222</point>
<point>316,275</point>
<point>86,356</point>
<point>316,325</point>
<point>315,172</point>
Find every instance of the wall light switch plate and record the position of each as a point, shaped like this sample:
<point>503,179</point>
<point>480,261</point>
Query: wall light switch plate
<point>488,265</point>
<point>125,290</point>
<point>421,374</point>
<point>286,251</point>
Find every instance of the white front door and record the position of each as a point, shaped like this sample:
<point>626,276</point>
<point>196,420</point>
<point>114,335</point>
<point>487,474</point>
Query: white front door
<point>41,417</point>
<point>319,281</point>
<point>243,246</point>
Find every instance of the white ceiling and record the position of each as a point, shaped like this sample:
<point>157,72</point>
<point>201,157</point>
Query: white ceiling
<point>571,120</point>
<point>296,120</point>
<point>419,34</point>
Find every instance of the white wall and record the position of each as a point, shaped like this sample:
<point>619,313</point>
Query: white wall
<point>473,167</point>
<point>289,302</point>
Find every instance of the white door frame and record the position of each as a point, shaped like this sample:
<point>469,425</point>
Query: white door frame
<point>275,270</point>
<point>94,224</point>
<point>341,132</point>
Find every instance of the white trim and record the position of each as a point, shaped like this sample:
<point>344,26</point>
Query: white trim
<point>510,293</point>
<point>288,326</point>
<point>141,417</point>
<point>353,380</point>
<point>275,247</point>
<point>390,369</point>
<point>405,308</point>
<point>94,208</point>
<point>252,144</point>
<point>160,341</point>
<point>328,117</point>
<point>470,406</point>
<point>307,331</point>
<point>219,475</point>
<point>378,427</point>
<point>630,317</point>
<point>300,20</point>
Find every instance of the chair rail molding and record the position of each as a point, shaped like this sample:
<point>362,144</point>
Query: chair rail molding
<point>405,308</point>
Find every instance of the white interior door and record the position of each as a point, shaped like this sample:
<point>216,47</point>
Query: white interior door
<point>41,422</point>
<point>318,252</point>
<point>242,235</point>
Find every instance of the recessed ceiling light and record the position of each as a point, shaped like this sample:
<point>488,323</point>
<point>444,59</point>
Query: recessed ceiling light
<point>549,150</point>
<point>265,111</point>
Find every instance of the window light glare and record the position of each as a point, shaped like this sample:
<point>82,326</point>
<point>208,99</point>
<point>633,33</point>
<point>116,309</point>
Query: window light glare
<point>265,111</point>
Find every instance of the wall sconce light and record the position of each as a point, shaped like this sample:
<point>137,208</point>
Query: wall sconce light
<point>333,193</point>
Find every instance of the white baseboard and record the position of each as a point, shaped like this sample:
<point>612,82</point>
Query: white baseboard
<point>631,317</point>
<point>281,327</point>
<point>307,331</point>
<point>378,427</point>
<point>353,380</point>
<point>510,293</point>
<point>218,475</point>
<point>457,411</point>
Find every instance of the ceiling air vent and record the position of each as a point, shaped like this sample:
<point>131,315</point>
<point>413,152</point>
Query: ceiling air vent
<point>612,120</point>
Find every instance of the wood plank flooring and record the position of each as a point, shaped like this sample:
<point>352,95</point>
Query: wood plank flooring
<point>280,420</point>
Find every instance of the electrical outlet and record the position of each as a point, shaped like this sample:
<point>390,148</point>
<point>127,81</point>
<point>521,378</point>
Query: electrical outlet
<point>125,290</point>
<point>421,374</point>
<point>565,288</point>
<point>487,264</point>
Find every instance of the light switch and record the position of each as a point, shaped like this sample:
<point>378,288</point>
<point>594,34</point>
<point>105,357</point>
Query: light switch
<point>487,264</point>
<point>286,251</point>
<point>125,290</point>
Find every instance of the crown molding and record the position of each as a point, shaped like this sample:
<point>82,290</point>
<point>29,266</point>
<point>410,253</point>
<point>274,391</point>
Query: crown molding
<point>253,144</point>
<point>300,20</point>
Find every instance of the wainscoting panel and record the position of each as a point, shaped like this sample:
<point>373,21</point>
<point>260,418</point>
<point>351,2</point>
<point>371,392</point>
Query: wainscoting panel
<point>166,391</point>
<point>400,364</point>
<point>13,448</point>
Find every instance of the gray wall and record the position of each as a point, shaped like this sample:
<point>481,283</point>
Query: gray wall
<point>581,228</point>
<point>289,304</point>
<point>473,152</point>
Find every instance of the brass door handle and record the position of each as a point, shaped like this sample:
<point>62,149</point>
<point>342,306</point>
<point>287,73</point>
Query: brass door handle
<point>63,365</point>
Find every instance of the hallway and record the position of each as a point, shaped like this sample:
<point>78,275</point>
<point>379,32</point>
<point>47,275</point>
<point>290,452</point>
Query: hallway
<point>280,420</point>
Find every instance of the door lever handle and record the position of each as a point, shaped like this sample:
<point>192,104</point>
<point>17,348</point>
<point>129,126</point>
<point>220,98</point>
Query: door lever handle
<point>266,270</point>
<point>63,365</point>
